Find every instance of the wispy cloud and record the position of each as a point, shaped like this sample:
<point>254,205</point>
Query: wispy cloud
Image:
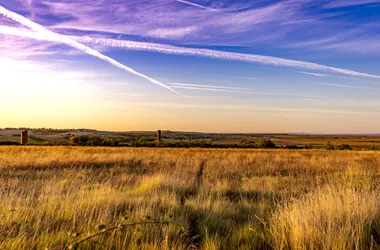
<point>46,34</point>
<point>245,77</point>
<point>345,3</point>
<point>242,23</point>
<point>251,108</point>
<point>170,49</point>
<point>209,87</point>
<point>311,73</point>
<point>172,33</point>
<point>196,5</point>
<point>144,18</point>
<point>345,86</point>
<point>240,77</point>
<point>213,88</point>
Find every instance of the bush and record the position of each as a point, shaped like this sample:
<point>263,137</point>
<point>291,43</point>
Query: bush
<point>9,143</point>
<point>373,147</point>
<point>267,144</point>
<point>344,147</point>
<point>85,140</point>
<point>329,146</point>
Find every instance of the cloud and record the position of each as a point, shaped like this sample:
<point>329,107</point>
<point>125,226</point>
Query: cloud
<point>311,73</point>
<point>45,34</point>
<point>345,86</point>
<point>196,5</point>
<point>170,49</point>
<point>251,108</point>
<point>217,54</point>
<point>143,18</point>
<point>213,88</point>
<point>361,39</point>
<point>209,87</point>
<point>345,3</point>
<point>172,33</point>
<point>240,23</point>
<point>245,77</point>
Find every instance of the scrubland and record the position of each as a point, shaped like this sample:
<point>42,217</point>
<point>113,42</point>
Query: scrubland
<point>55,197</point>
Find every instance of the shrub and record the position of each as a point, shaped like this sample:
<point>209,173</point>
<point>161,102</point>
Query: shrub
<point>9,143</point>
<point>85,140</point>
<point>267,144</point>
<point>344,147</point>
<point>329,146</point>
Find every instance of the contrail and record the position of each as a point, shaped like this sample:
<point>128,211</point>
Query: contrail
<point>311,73</point>
<point>45,34</point>
<point>196,5</point>
<point>217,54</point>
<point>176,50</point>
<point>209,89</point>
<point>209,86</point>
<point>343,86</point>
<point>251,91</point>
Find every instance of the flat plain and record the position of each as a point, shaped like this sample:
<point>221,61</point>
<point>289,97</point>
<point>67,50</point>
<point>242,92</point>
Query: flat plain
<point>58,197</point>
<point>175,138</point>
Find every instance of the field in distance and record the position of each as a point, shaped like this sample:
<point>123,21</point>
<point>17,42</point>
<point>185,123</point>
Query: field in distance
<point>91,197</point>
<point>192,139</point>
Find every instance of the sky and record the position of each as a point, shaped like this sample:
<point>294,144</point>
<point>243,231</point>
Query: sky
<point>264,66</point>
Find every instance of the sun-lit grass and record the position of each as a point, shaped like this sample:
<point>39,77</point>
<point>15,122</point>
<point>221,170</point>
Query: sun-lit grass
<point>223,198</point>
<point>331,218</point>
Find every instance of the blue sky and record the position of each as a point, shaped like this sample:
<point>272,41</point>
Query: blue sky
<point>217,66</point>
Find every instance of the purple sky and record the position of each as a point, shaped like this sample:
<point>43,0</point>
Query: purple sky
<point>296,66</point>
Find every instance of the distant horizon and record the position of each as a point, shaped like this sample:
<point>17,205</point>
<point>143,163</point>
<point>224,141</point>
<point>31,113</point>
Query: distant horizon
<point>185,131</point>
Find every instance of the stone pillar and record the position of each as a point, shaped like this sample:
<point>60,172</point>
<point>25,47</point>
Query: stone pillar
<point>24,137</point>
<point>159,138</point>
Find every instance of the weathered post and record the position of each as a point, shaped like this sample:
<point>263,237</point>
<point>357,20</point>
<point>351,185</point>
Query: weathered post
<point>158,138</point>
<point>24,137</point>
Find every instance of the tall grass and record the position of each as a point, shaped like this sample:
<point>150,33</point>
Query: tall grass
<point>330,218</point>
<point>51,197</point>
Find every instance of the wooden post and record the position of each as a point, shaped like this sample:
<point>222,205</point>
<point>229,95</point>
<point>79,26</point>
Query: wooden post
<point>24,137</point>
<point>158,138</point>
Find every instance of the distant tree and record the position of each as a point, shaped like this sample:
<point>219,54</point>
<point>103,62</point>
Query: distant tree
<point>292,147</point>
<point>9,143</point>
<point>267,144</point>
<point>344,147</point>
<point>329,146</point>
<point>247,144</point>
<point>373,147</point>
<point>85,140</point>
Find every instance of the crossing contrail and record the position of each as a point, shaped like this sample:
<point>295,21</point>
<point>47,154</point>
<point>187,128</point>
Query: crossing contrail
<point>45,34</point>
<point>217,54</point>
<point>176,50</point>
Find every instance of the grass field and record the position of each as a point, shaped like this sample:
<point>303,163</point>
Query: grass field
<point>54,197</point>
<point>62,137</point>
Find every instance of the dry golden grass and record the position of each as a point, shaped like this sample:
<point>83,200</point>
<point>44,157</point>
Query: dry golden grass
<point>224,199</point>
<point>330,218</point>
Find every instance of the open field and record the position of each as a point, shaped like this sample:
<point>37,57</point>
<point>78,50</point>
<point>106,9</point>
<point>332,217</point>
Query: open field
<point>54,197</point>
<point>192,139</point>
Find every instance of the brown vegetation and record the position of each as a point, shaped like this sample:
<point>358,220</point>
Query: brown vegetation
<point>52,197</point>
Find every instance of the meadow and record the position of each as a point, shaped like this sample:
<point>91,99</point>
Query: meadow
<point>66,197</point>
